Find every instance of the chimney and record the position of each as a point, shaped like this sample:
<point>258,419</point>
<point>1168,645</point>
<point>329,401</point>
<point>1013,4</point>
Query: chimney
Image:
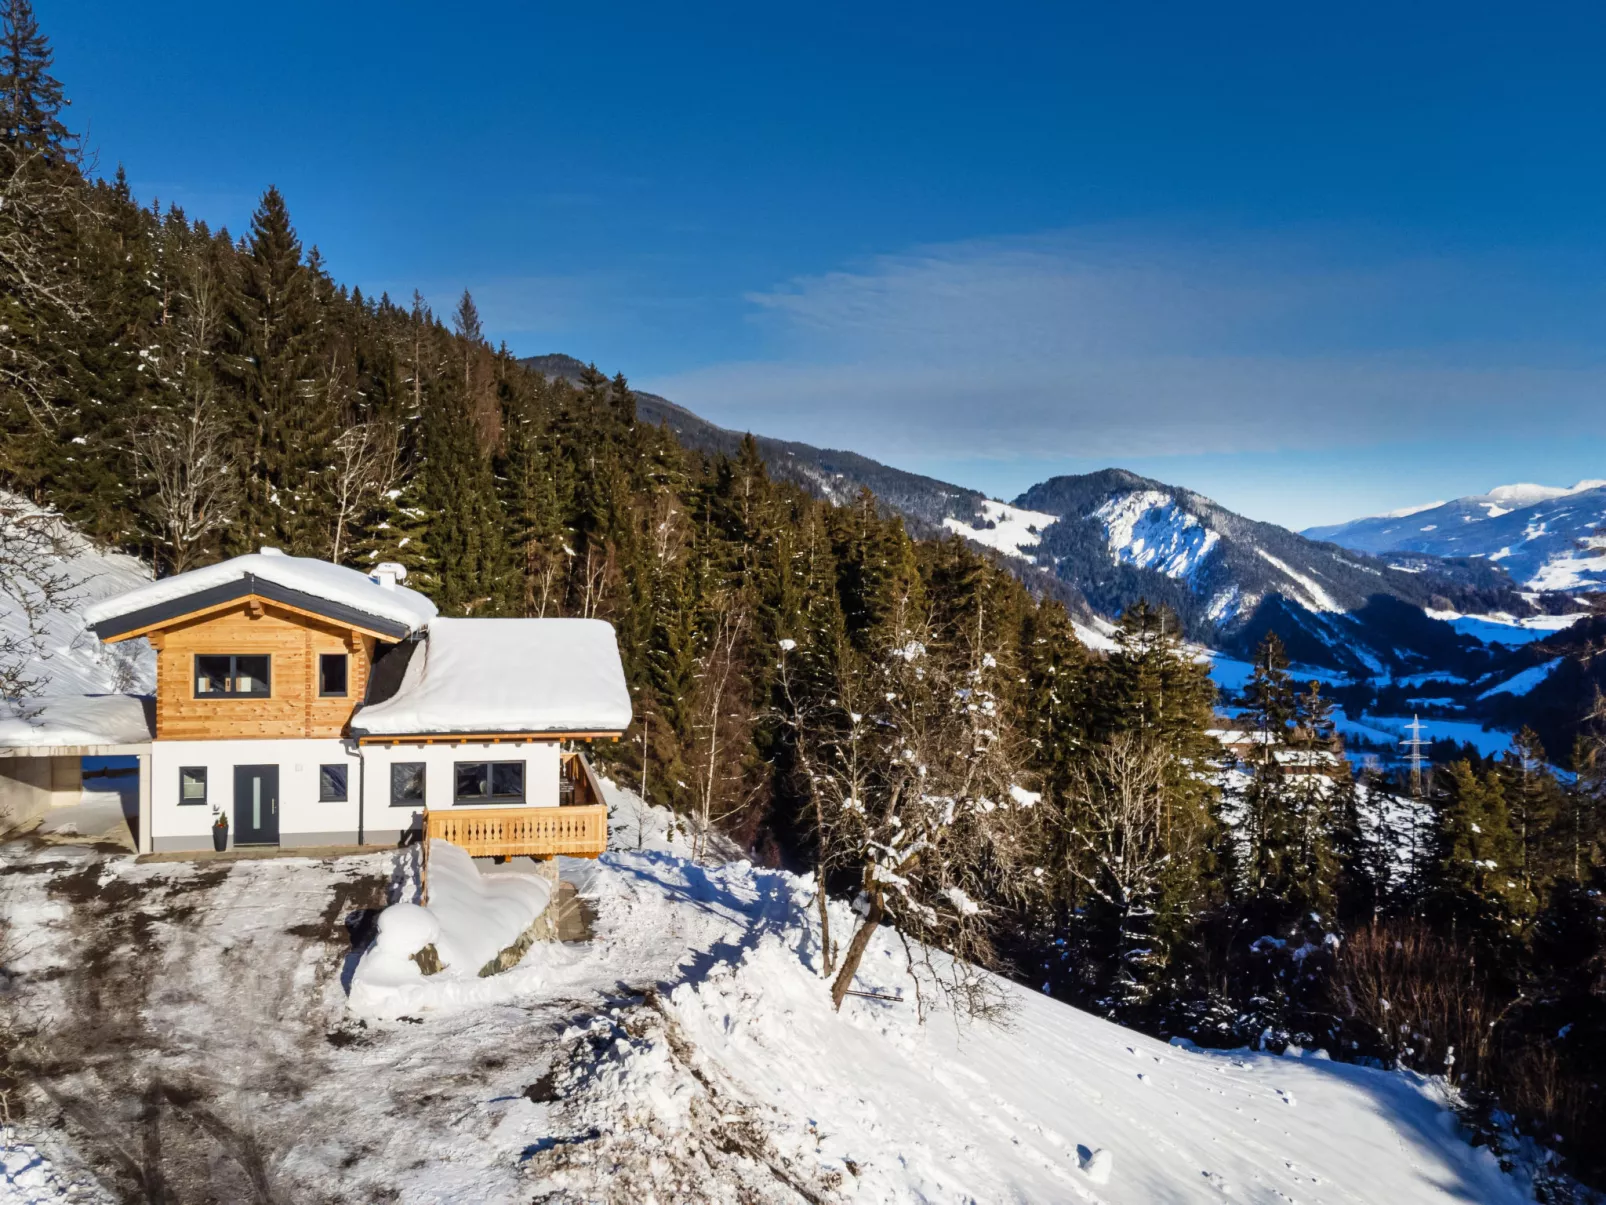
<point>388,573</point>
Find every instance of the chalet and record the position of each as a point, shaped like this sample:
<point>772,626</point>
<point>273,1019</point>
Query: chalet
<point>301,703</point>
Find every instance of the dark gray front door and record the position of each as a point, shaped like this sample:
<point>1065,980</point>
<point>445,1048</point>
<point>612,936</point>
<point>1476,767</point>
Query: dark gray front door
<point>256,805</point>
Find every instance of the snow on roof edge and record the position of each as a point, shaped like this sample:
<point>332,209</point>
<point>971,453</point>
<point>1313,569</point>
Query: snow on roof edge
<point>320,579</point>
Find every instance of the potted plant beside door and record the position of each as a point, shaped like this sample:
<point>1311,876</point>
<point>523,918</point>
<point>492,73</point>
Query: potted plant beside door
<point>220,832</point>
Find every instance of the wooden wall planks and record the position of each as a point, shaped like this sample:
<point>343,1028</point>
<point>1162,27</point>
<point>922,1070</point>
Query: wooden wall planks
<point>293,709</point>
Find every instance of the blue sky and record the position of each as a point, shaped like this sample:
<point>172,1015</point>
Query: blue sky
<point>1313,261</point>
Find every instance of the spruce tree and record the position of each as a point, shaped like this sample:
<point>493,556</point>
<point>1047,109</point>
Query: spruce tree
<point>31,99</point>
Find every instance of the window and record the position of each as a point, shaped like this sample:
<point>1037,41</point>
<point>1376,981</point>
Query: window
<point>225,674</point>
<point>406,783</point>
<point>332,783</point>
<point>489,782</point>
<point>332,675</point>
<point>192,784</point>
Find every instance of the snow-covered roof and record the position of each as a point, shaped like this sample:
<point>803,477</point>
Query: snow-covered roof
<point>269,573</point>
<point>507,676</point>
<point>73,722</point>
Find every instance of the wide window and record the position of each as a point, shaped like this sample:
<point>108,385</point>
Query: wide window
<point>332,783</point>
<point>192,784</point>
<point>229,674</point>
<point>489,782</point>
<point>406,784</point>
<point>332,674</point>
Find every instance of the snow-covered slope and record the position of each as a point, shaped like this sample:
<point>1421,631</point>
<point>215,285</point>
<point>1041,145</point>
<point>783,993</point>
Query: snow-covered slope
<point>1543,536</point>
<point>1006,529</point>
<point>689,1053</point>
<point>65,657</point>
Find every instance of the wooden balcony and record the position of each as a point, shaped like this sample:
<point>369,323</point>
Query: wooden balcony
<point>576,829</point>
<point>580,831</point>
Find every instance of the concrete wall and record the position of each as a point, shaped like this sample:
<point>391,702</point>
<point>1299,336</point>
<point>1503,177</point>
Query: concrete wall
<point>31,786</point>
<point>303,818</point>
<point>383,823</point>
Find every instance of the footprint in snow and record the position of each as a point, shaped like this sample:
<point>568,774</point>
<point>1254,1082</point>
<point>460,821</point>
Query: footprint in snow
<point>1218,1183</point>
<point>1288,1097</point>
<point>1145,1079</point>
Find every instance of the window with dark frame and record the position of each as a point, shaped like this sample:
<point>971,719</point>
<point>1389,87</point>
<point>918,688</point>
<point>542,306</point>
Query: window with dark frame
<point>332,670</point>
<point>232,675</point>
<point>488,782</point>
<point>191,784</point>
<point>332,783</point>
<point>406,783</point>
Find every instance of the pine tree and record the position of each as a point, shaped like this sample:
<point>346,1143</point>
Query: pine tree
<point>31,99</point>
<point>1475,877</point>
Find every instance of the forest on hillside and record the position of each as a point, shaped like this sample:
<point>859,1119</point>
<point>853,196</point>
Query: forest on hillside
<point>901,716</point>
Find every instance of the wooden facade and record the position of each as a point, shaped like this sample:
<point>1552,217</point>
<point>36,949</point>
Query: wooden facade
<point>293,707</point>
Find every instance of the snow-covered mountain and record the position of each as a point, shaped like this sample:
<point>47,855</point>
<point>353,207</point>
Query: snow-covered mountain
<point>1116,537</point>
<point>1545,537</point>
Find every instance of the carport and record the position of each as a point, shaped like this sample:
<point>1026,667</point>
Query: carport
<point>42,746</point>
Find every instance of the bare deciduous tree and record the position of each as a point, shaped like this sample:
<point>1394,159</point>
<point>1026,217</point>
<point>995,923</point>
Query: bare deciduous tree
<point>720,725</point>
<point>186,457</point>
<point>367,460</point>
<point>1122,842</point>
<point>919,794</point>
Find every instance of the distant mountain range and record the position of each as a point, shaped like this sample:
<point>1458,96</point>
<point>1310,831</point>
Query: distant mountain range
<point>1102,541</point>
<point>1545,537</point>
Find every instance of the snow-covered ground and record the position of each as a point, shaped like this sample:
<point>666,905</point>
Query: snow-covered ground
<point>1008,529</point>
<point>190,1022</point>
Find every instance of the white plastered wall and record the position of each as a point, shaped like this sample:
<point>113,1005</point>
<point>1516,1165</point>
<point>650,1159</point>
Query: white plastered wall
<point>384,824</point>
<point>303,818</point>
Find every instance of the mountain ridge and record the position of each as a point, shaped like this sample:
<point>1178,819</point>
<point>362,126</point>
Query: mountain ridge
<point>1546,538</point>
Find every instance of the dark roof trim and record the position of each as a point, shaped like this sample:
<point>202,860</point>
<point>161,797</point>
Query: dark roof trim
<point>248,585</point>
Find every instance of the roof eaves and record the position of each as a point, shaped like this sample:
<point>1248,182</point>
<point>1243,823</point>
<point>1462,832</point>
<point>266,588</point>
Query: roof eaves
<point>246,585</point>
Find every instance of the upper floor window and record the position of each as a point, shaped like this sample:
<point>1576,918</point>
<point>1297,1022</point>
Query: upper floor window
<point>489,782</point>
<point>229,674</point>
<point>332,673</point>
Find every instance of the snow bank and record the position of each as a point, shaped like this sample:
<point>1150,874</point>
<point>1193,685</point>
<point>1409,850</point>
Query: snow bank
<point>471,918</point>
<point>321,579</point>
<point>508,675</point>
<point>74,720</point>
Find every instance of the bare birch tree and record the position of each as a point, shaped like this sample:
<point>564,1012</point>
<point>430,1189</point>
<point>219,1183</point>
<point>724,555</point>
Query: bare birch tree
<point>366,463</point>
<point>720,723</point>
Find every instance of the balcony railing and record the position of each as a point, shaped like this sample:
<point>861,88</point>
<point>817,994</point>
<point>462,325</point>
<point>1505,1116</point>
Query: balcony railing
<point>576,829</point>
<point>579,831</point>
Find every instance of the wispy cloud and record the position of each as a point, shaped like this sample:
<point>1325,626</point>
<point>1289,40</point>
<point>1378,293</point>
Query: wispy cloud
<point>1112,344</point>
